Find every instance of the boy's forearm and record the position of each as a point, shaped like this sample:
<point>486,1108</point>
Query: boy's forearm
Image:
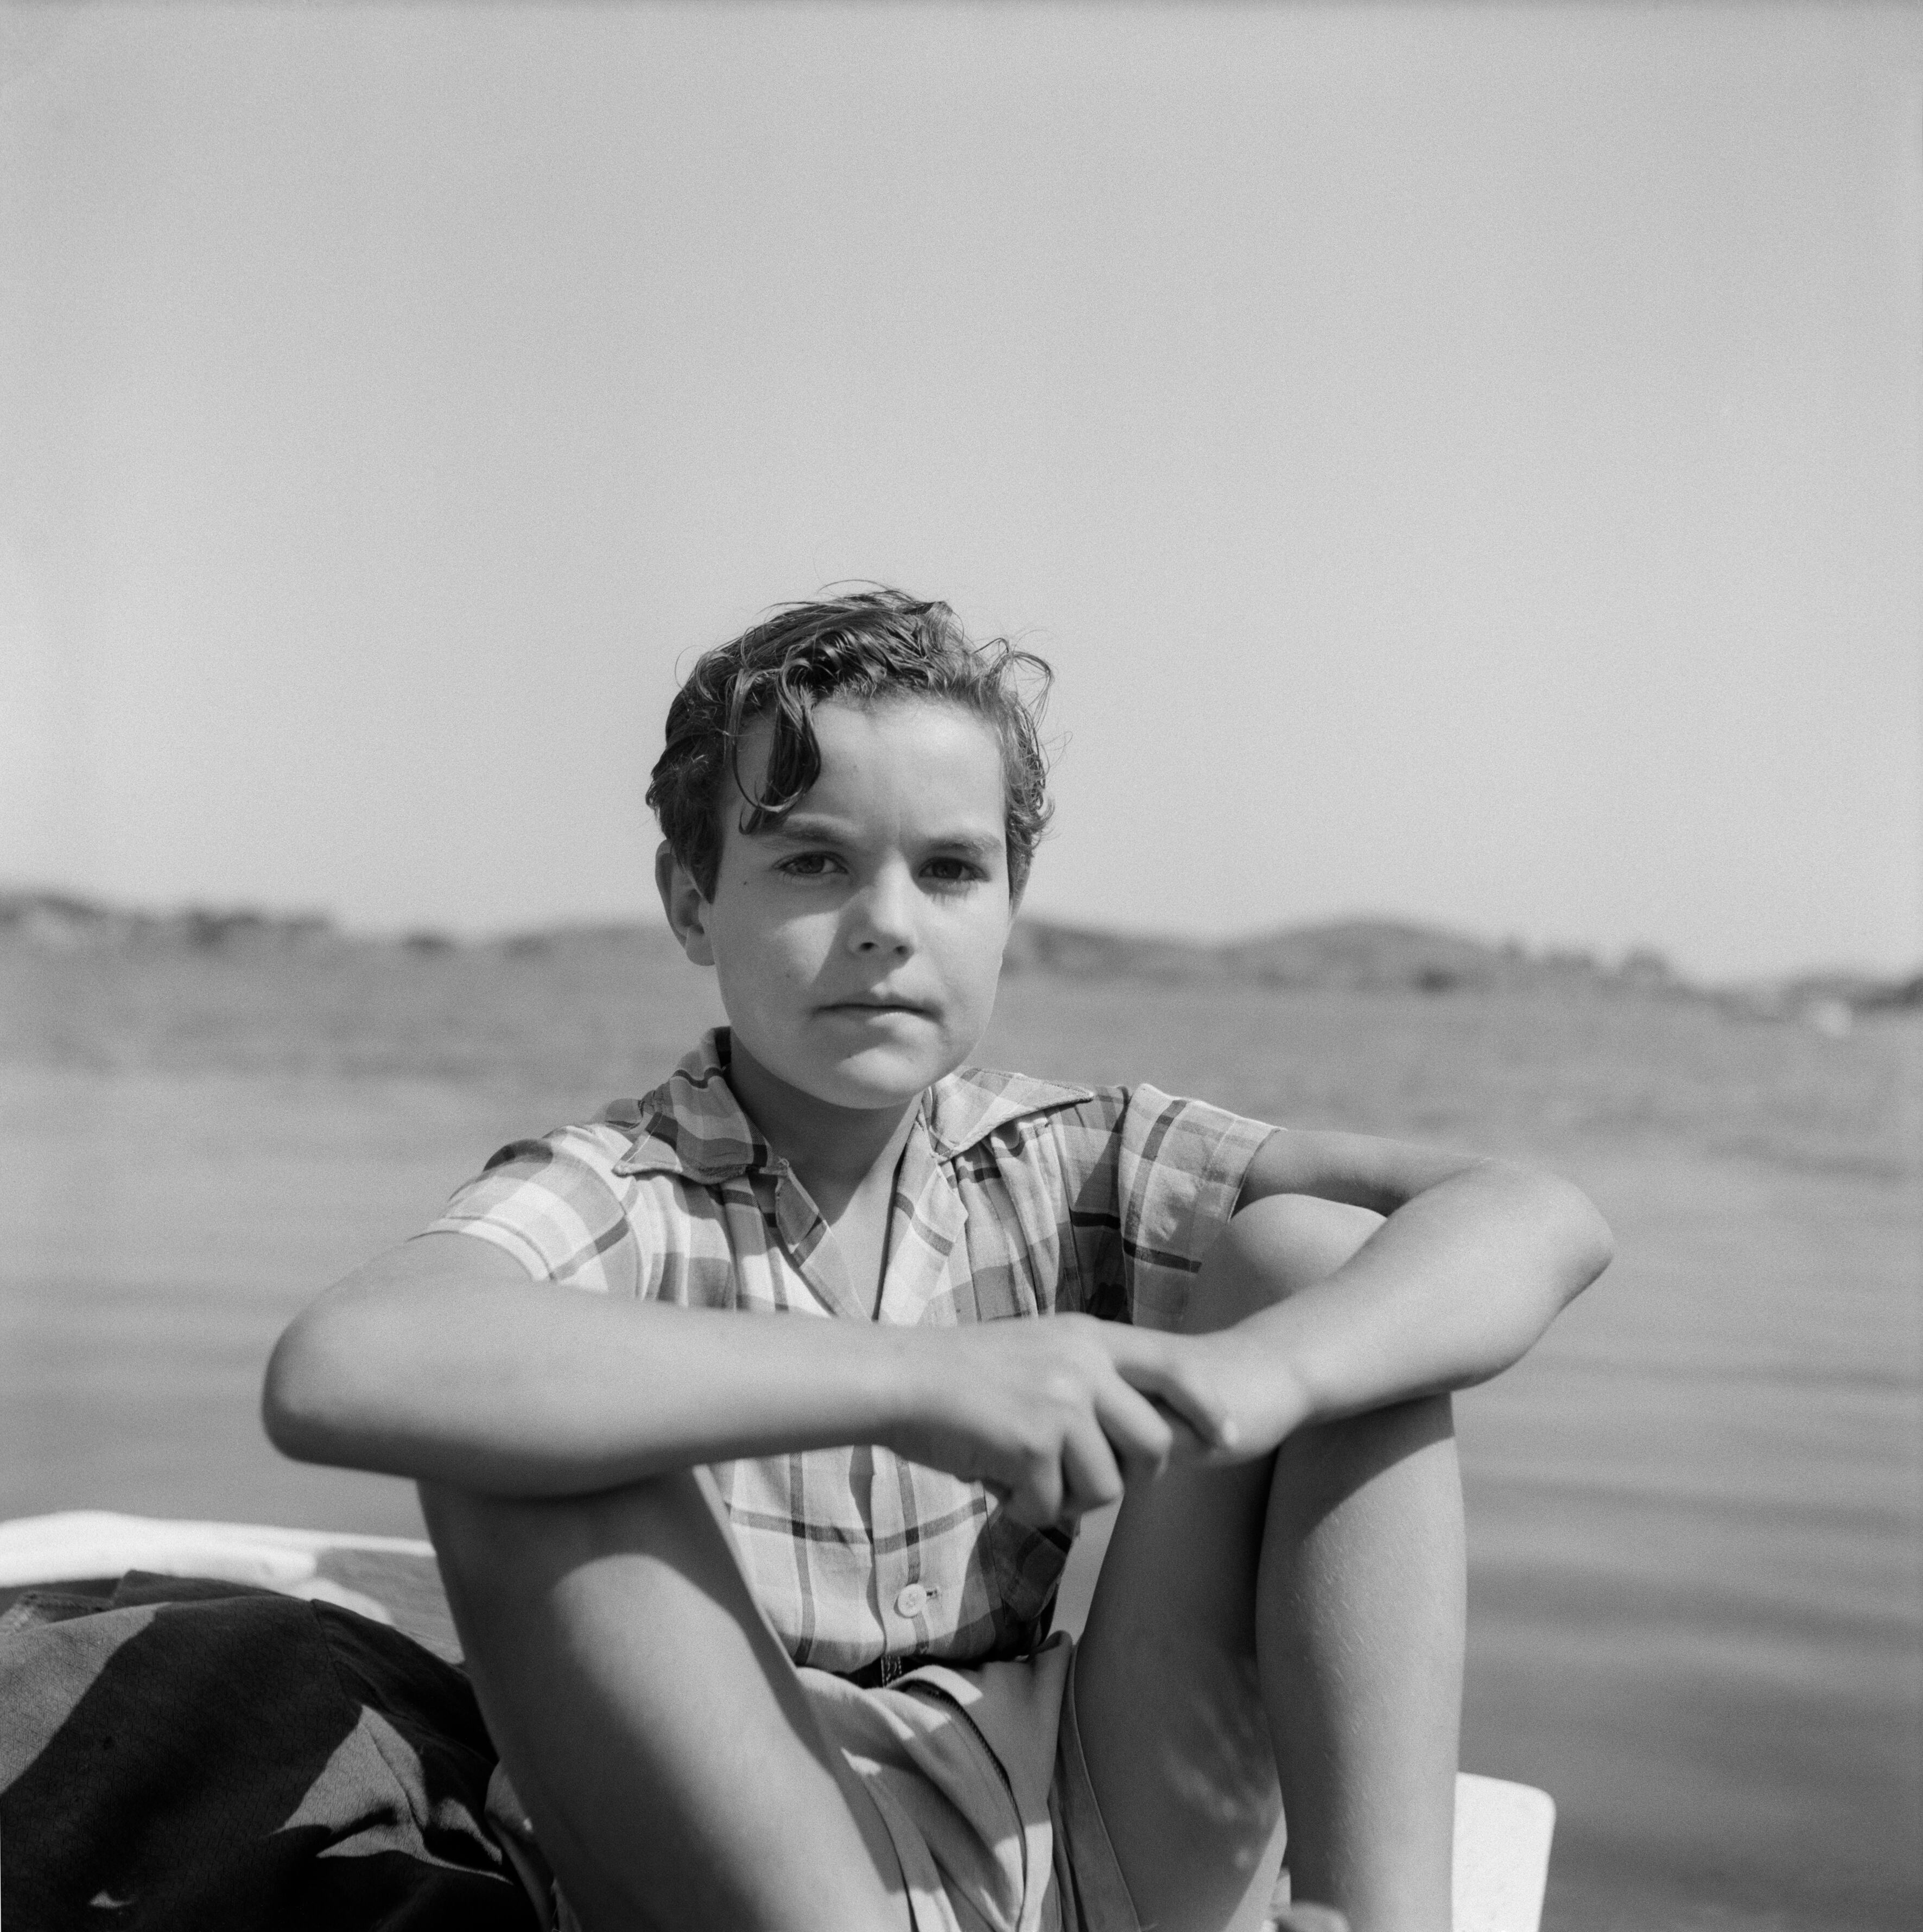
<point>520,1390</point>
<point>1456,1285</point>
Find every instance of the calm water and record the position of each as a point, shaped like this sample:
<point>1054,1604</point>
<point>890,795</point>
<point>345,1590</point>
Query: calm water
<point>1697,1597</point>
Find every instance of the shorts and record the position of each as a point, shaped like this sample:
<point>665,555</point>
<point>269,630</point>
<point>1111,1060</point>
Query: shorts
<point>977,1773</point>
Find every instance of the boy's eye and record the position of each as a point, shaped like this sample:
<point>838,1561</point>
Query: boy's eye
<point>953,871</point>
<point>806,864</point>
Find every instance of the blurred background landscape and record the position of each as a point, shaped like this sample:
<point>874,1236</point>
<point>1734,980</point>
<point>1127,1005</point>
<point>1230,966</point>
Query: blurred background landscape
<point>1695,1510</point>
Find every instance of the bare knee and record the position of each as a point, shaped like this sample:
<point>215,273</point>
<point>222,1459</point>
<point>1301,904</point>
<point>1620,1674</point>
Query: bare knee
<point>1271,1250</point>
<point>503,1542</point>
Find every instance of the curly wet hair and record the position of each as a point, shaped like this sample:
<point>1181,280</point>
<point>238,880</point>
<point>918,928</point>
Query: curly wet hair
<point>868,647</point>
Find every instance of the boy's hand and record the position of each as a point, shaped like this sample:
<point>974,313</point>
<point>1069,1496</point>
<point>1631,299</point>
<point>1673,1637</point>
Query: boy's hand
<point>1055,1416</point>
<point>1258,1398</point>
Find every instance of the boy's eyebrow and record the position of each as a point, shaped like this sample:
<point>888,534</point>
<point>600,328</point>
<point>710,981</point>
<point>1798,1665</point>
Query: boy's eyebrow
<point>798,828</point>
<point>970,845</point>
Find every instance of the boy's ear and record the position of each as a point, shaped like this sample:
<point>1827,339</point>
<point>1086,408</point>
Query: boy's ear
<point>687,910</point>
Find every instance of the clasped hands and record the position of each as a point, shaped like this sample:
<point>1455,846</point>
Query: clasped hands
<point>1057,1416</point>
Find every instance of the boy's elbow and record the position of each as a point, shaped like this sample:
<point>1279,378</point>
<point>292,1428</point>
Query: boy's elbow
<point>291,1403</point>
<point>307,1394</point>
<point>1585,1238</point>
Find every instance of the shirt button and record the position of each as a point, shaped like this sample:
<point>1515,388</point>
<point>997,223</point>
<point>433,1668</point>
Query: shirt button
<point>912,1601</point>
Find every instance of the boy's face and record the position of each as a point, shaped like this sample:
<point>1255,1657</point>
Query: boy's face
<point>858,945</point>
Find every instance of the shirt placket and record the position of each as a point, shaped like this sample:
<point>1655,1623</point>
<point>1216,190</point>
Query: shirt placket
<point>927,1219</point>
<point>900,1598</point>
<point>798,1222</point>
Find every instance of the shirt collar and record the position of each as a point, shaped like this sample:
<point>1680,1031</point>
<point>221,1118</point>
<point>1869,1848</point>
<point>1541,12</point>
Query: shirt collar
<point>970,1103</point>
<point>692,1125</point>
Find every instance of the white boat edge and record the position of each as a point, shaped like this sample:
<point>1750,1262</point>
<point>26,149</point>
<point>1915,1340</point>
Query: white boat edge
<point>102,1542</point>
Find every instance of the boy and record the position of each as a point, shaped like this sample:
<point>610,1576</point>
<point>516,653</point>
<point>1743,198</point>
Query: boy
<point>756,1608</point>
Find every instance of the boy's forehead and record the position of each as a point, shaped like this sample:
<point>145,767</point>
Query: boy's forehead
<point>936,738</point>
<point>943,757</point>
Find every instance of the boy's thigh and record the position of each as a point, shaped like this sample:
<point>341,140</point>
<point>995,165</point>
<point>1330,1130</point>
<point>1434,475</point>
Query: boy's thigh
<point>651,1722</point>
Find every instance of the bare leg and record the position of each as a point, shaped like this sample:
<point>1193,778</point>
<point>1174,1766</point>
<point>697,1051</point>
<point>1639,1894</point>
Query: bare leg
<point>1314,1598</point>
<point>1361,1609</point>
<point>652,1723</point>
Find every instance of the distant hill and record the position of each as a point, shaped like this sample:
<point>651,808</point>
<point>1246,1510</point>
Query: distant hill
<point>1374,954</point>
<point>1362,954</point>
<point>1095,952</point>
<point>64,922</point>
<point>1357,955</point>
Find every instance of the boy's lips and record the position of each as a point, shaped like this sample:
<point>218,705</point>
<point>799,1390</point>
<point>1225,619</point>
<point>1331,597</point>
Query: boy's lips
<point>869,1004</point>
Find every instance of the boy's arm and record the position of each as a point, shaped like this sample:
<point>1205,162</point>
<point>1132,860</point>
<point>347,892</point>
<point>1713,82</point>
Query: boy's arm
<point>1475,1260</point>
<point>443,1361</point>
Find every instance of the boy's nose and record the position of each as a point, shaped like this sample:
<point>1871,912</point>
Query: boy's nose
<point>882,918</point>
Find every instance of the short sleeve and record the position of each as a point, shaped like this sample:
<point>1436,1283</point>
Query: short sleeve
<point>1180,1167</point>
<point>554,1204</point>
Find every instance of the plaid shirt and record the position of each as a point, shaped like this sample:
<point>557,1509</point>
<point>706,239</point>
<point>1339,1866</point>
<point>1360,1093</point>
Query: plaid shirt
<point>1015,1197</point>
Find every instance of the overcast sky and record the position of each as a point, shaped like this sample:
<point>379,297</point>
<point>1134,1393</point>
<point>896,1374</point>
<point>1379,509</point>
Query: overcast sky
<point>1461,463</point>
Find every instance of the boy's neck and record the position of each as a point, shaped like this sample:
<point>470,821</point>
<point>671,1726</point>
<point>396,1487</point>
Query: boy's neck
<point>832,1149</point>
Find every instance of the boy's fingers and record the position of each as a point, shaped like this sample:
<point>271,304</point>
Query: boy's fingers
<point>1090,1478</point>
<point>1037,1504</point>
<point>1139,1434</point>
<point>1185,1443</point>
<point>1149,1363</point>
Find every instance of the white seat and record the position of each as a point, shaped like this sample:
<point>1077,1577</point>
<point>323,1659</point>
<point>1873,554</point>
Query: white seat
<point>1502,1838</point>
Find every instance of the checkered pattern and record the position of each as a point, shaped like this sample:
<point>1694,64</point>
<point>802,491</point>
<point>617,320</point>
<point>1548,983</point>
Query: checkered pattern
<point>1015,1197</point>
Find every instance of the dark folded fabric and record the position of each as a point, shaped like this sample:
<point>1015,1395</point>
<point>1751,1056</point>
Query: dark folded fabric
<point>195,1754</point>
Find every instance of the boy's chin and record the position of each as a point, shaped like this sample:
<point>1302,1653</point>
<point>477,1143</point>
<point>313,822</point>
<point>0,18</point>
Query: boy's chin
<point>879,1077</point>
<point>889,1068</point>
<point>886,1073</point>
